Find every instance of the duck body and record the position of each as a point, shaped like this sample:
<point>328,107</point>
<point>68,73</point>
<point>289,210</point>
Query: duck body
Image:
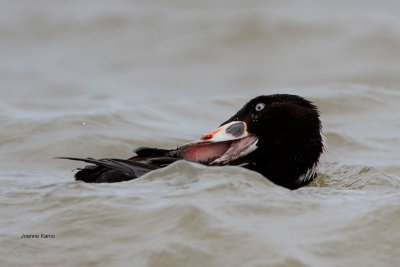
<point>278,136</point>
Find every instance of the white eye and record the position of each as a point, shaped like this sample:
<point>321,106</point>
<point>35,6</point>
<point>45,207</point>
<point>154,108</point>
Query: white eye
<point>260,106</point>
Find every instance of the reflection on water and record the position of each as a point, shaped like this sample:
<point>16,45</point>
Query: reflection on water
<point>80,78</point>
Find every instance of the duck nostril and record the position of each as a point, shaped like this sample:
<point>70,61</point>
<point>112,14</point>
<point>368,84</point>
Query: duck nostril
<point>207,137</point>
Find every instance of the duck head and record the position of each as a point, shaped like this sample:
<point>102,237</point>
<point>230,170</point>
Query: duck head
<point>279,136</point>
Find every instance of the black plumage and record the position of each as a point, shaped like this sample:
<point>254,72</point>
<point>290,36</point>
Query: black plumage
<point>279,136</point>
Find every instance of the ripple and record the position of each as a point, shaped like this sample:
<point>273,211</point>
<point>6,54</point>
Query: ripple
<point>356,178</point>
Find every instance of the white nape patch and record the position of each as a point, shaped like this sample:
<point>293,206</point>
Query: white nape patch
<point>324,145</point>
<point>310,173</point>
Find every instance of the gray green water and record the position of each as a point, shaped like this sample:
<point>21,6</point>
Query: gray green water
<point>98,78</point>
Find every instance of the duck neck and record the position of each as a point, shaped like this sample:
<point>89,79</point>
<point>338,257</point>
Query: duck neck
<point>289,170</point>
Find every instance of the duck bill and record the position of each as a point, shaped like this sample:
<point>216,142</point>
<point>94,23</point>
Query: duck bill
<point>226,144</point>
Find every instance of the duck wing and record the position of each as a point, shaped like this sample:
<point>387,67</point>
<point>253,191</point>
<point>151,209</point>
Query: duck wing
<point>111,170</point>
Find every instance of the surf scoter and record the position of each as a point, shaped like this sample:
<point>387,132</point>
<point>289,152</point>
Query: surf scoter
<point>277,135</point>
